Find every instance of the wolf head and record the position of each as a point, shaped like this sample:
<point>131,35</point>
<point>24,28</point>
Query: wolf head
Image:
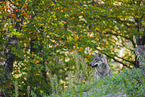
<point>101,66</point>
<point>97,60</point>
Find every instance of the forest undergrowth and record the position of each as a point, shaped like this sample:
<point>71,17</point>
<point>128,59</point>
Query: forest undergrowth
<point>81,83</point>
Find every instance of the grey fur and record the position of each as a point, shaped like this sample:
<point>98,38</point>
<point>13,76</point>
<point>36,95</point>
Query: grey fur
<point>101,66</point>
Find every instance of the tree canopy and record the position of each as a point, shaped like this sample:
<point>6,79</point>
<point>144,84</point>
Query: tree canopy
<point>38,36</point>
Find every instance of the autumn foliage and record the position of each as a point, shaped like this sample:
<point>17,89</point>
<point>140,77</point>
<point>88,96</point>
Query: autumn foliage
<point>49,31</point>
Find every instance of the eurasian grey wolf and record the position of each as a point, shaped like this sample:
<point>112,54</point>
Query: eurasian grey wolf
<point>101,66</point>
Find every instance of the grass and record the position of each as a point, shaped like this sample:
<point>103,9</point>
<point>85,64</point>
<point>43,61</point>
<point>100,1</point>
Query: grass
<point>130,81</point>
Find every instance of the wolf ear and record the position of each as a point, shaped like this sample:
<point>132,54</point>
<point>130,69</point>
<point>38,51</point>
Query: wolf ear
<point>95,53</point>
<point>100,55</point>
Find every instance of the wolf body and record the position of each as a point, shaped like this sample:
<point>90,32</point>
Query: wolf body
<point>102,69</point>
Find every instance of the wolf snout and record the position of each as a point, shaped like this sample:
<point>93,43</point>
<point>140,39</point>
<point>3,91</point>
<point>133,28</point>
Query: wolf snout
<point>93,65</point>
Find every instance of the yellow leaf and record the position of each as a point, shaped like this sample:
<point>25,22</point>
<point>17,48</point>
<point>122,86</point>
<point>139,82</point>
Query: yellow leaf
<point>136,17</point>
<point>17,20</point>
<point>17,3</point>
<point>112,49</point>
<point>63,35</point>
<point>61,11</point>
<point>36,62</point>
<point>70,50</point>
<point>74,47</point>
<point>97,28</point>
<point>81,48</point>
<point>107,43</point>
<point>41,24</point>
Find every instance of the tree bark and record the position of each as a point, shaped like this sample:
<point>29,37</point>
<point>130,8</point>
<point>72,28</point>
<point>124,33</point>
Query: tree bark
<point>9,57</point>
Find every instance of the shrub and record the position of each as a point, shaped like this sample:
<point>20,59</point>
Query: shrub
<point>129,81</point>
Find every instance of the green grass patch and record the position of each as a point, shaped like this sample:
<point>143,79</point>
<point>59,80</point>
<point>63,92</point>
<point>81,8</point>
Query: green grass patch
<point>130,81</point>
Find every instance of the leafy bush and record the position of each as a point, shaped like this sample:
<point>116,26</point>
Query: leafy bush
<point>129,81</point>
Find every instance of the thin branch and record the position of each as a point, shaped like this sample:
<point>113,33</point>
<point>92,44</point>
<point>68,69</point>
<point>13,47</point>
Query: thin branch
<point>133,43</point>
<point>115,59</point>
<point>127,48</point>
<point>124,59</point>
<point>108,32</point>
<point>118,20</point>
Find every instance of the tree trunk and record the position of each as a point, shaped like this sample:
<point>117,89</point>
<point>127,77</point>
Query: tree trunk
<point>7,65</point>
<point>140,40</point>
<point>9,43</point>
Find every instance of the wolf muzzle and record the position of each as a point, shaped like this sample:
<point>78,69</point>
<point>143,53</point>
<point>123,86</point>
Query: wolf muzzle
<point>93,66</point>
